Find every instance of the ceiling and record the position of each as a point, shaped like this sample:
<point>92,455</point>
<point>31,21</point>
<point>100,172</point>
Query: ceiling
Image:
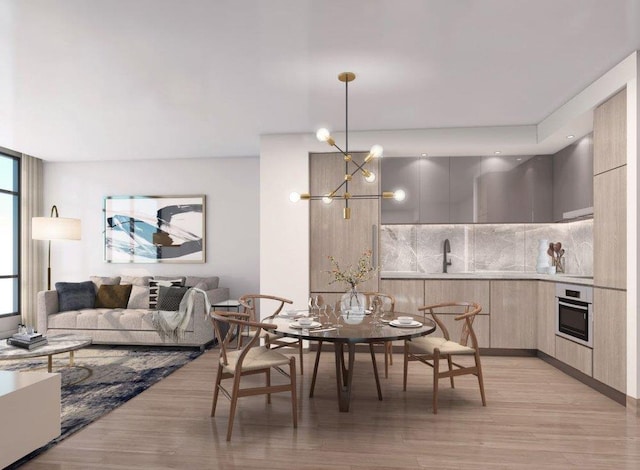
<point>120,79</point>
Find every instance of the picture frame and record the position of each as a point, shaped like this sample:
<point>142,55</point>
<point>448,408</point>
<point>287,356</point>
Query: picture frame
<point>154,229</point>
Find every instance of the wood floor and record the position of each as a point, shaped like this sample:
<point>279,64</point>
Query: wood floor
<point>536,418</point>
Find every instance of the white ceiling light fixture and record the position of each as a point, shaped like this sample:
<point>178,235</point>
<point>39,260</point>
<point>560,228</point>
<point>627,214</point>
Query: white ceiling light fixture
<point>369,176</point>
<point>570,136</point>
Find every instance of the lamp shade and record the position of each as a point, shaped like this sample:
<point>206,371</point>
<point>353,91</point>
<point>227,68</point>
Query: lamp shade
<point>55,228</point>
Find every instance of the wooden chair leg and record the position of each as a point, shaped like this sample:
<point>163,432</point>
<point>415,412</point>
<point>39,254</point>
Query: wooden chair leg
<point>386,361</point>
<point>406,366</point>
<point>480,379</point>
<point>315,370</point>
<point>450,362</point>
<point>300,354</point>
<point>390,350</point>
<point>216,390</point>
<point>268,374</point>
<point>234,402</point>
<point>294,391</point>
<point>436,373</point>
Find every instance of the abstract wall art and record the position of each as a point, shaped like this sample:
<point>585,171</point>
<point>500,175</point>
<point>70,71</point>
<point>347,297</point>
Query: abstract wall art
<point>154,229</point>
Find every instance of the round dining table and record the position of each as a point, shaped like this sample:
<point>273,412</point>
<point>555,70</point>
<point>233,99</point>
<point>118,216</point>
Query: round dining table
<point>353,329</point>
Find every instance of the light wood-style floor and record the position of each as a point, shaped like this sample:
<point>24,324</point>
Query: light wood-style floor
<point>536,418</point>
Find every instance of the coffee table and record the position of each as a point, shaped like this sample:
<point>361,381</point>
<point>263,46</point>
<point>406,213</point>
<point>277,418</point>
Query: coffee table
<point>58,344</point>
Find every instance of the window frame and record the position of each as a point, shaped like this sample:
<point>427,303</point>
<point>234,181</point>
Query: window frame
<point>6,153</point>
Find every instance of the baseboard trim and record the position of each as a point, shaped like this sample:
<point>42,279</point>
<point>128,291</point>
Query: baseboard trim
<point>633,406</point>
<point>609,392</point>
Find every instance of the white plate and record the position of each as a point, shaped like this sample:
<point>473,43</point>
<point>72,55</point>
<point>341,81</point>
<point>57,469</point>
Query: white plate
<point>413,324</point>
<point>298,326</point>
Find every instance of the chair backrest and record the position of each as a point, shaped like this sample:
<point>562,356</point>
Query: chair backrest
<point>465,312</point>
<point>254,303</point>
<point>233,321</point>
<point>388,300</point>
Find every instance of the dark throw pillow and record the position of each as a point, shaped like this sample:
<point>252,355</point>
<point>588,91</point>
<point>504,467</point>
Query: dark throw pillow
<point>75,295</point>
<point>169,298</point>
<point>154,284</point>
<point>113,296</point>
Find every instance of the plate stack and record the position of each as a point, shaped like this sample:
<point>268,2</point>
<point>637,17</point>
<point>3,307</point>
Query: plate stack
<point>27,340</point>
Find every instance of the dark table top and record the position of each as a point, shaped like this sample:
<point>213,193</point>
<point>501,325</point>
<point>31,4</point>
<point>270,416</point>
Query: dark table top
<point>356,329</point>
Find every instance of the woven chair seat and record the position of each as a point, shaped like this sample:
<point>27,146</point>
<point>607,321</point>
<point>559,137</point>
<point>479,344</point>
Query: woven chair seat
<point>256,358</point>
<point>428,345</point>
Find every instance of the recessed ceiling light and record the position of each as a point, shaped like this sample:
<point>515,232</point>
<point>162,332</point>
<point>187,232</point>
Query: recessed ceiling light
<point>424,155</point>
<point>519,159</point>
<point>570,136</point>
<point>497,152</point>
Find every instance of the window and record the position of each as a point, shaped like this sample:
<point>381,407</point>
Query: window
<point>9,234</point>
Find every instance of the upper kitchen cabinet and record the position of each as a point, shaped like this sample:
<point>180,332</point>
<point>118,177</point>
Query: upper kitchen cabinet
<point>458,190</point>
<point>610,133</point>
<point>496,189</point>
<point>573,179</point>
<point>514,189</point>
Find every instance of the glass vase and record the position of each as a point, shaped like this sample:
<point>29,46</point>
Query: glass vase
<point>352,302</point>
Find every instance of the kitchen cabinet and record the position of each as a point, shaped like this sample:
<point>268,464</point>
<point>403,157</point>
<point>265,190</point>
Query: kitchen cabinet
<point>546,318</point>
<point>610,133</point>
<point>444,190</point>
<point>409,293</point>
<point>573,178</point>
<point>330,233</point>
<point>610,337</point>
<point>575,355</point>
<point>513,314</point>
<point>610,193</point>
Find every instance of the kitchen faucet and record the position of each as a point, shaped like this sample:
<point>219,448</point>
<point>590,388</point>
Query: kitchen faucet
<point>445,262</point>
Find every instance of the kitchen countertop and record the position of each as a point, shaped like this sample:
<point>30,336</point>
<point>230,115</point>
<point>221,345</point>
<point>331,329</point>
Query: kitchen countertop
<point>498,275</point>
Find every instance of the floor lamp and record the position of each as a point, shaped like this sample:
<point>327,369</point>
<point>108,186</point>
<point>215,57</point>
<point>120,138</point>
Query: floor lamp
<point>54,228</point>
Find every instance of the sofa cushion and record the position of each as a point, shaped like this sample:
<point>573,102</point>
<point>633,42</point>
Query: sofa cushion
<point>113,296</point>
<point>139,297</point>
<point>169,298</point>
<point>204,283</point>
<point>171,278</point>
<point>154,284</point>
<point>100,280</point>
<point>136,280</point>
<point>106,319</point>
<point>75,295</point>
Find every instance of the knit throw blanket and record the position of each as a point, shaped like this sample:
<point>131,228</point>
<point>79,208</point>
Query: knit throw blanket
<point>173,324</point>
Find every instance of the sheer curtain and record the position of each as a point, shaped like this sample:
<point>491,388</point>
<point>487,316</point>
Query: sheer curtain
<point>31,255</point>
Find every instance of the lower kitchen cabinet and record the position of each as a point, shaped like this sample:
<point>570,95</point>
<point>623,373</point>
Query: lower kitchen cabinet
<point>574,354</point>
<point>546,318</point>
<point>513,314</point>
<point>609,337</point>
<point>409,293</point>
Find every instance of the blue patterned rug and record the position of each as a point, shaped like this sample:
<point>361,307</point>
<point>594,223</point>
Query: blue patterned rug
<point>105,378</point>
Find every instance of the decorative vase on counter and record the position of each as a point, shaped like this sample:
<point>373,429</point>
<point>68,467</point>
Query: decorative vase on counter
<point>352,302</point>
<point>542,264</point>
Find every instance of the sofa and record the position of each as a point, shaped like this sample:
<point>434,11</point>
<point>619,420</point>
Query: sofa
<point>119,309</point>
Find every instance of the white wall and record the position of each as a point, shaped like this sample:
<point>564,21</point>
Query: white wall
<point>231,187</point>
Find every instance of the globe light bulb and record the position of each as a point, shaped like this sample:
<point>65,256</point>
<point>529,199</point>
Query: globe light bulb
<point>294,197</point>
<point>327,199</point>
<point>376,151</point>
<point>399,195</point>
<point>370,178</point>
<point>323,134</point>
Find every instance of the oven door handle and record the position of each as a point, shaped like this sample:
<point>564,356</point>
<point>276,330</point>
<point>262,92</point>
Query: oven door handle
<point>579,307</point>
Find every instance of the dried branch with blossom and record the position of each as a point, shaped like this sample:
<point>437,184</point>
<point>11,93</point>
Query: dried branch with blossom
<point>363,271</point>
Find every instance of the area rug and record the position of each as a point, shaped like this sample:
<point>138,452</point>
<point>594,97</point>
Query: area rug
<point>105,378</point>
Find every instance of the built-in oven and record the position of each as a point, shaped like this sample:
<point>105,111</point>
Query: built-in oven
<point>574,313</point>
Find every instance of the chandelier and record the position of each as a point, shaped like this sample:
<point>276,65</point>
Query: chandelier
<point>351,167</point>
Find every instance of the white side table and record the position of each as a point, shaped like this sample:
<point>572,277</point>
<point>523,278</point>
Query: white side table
<point>30,410</point>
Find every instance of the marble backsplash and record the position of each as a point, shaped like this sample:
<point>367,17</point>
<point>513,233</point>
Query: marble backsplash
<point>484,247</point>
